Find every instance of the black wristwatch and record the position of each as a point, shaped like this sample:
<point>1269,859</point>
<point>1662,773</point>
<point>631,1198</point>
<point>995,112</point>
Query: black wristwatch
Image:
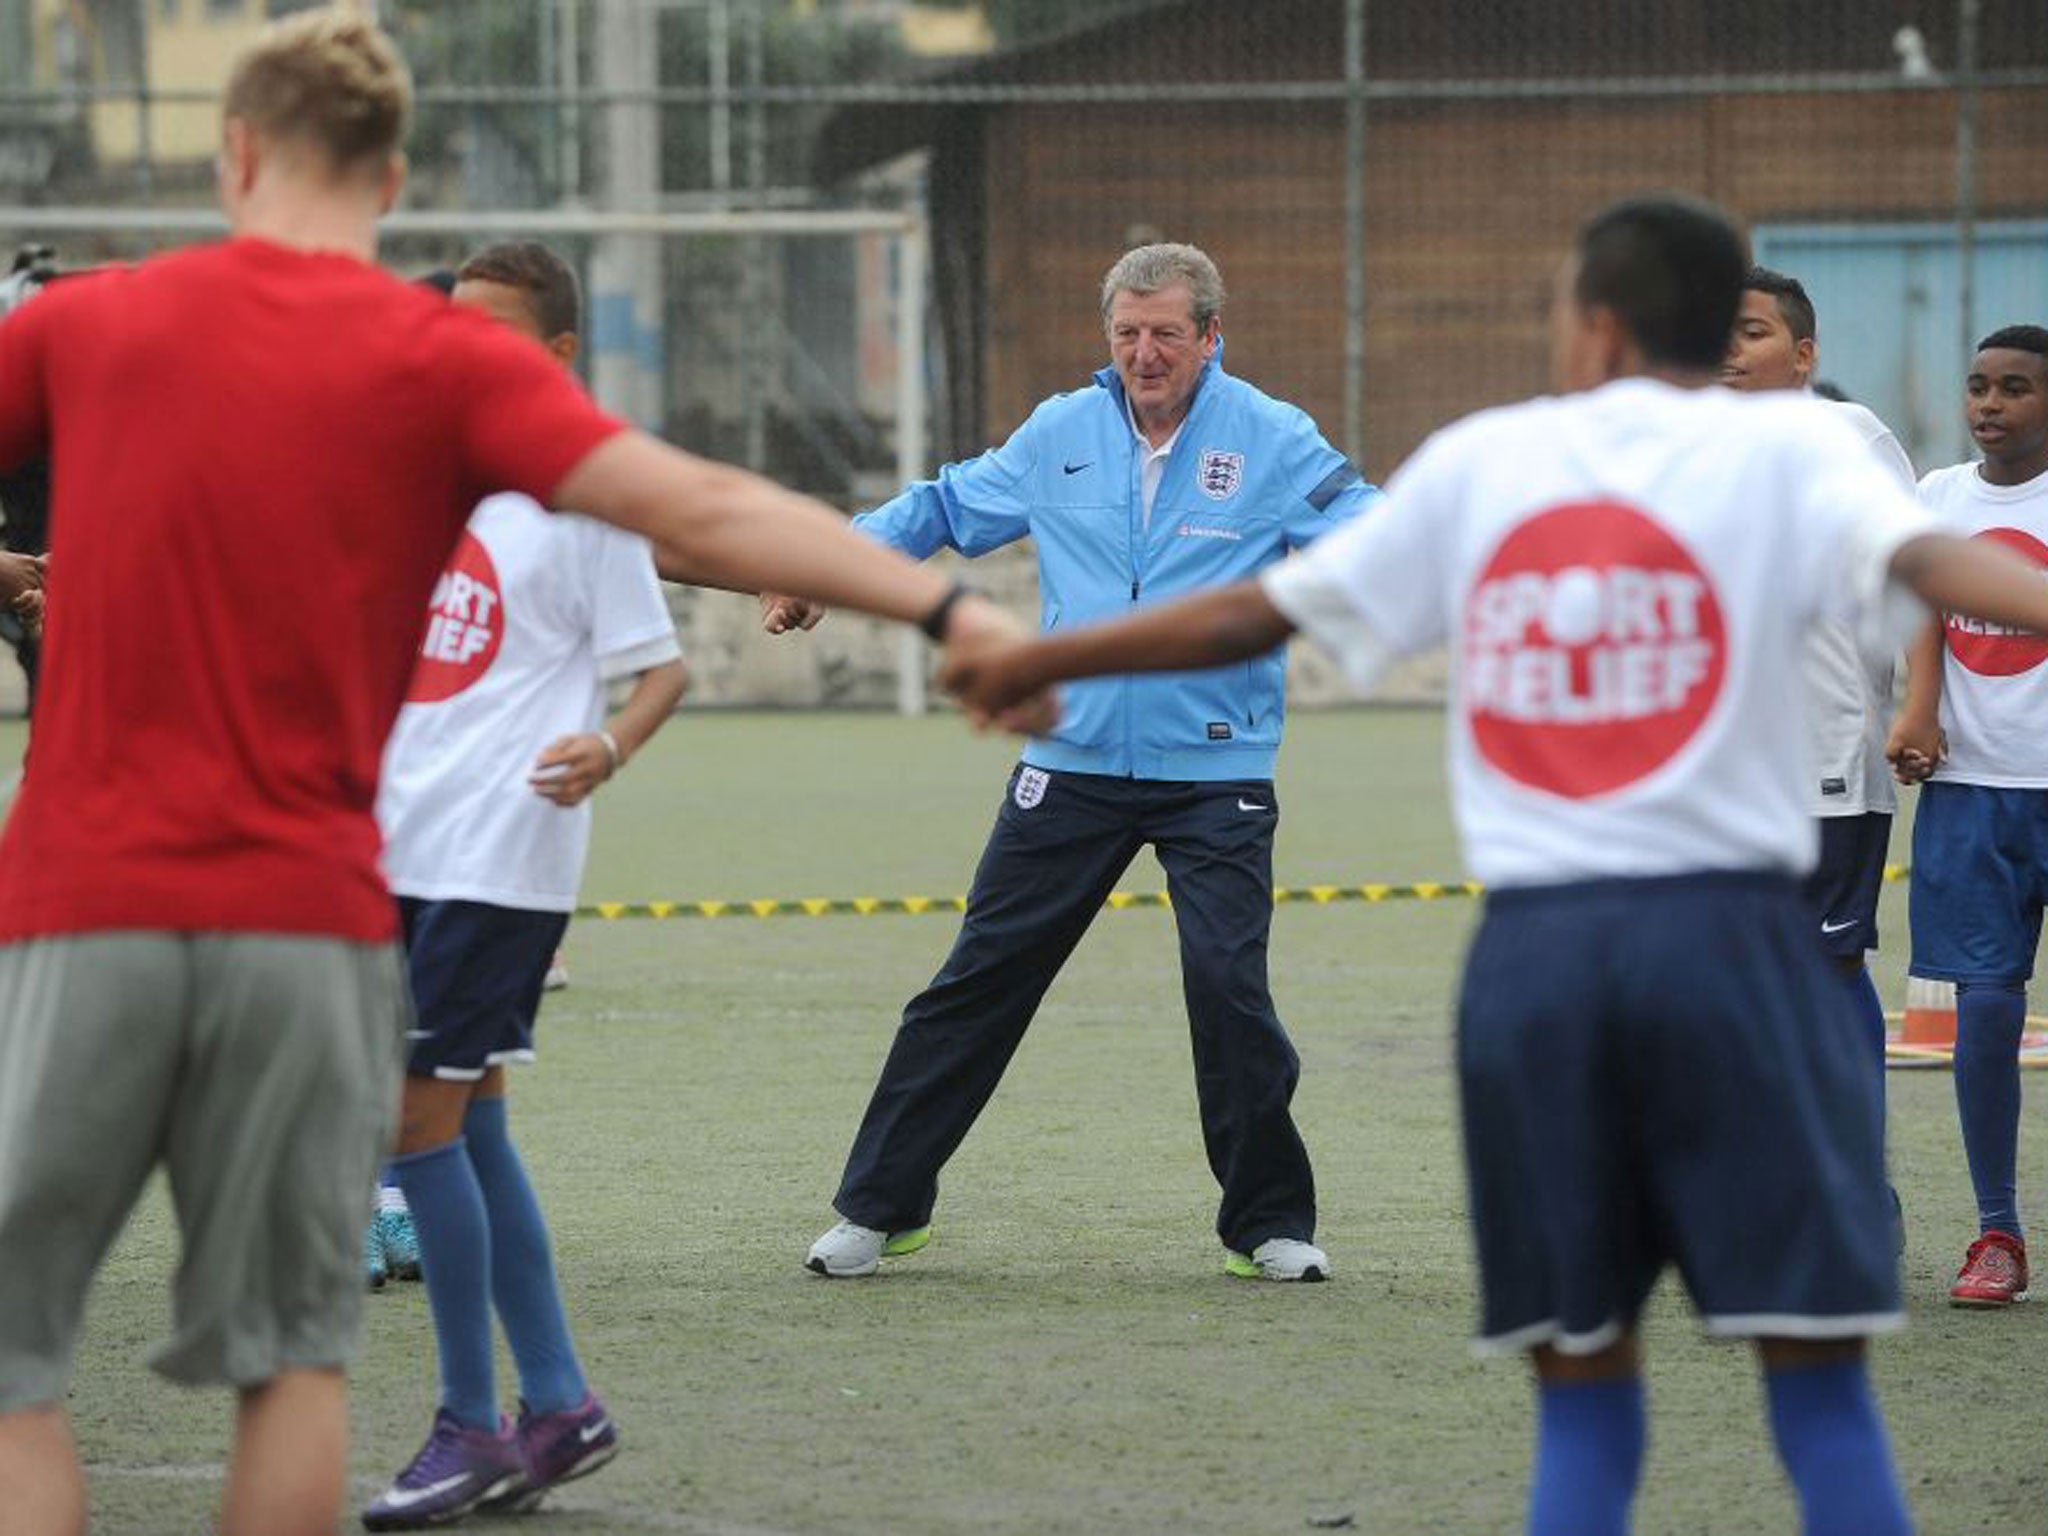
<point>934,623</point>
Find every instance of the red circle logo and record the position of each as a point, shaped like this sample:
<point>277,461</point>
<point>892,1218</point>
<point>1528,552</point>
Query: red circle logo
<point>1992,650</point>
<point>465,626</point>
<point>1594,649</point>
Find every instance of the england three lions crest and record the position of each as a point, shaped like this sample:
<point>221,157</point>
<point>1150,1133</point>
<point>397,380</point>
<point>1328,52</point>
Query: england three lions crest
<point>1220,473</point>
<point>1030,789</point>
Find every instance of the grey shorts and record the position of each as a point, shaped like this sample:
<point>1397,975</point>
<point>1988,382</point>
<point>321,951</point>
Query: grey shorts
<point>262,1071</point>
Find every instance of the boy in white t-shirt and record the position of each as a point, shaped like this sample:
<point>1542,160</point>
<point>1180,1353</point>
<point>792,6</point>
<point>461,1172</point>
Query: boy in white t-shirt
<point>1656,1066</point>
<point>1976,720</point>
<point>1776,346</point>
<point>485,814</point>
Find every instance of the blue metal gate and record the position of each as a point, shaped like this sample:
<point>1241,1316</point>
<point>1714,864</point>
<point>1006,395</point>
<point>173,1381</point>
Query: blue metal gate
<point>1891,331</point>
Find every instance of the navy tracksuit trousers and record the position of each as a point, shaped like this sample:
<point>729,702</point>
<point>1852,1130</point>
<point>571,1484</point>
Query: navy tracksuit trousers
<point>1047,870</point>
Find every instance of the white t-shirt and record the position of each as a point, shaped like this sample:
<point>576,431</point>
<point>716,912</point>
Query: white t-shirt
<point>1626,578</point>
<point>1154,467</point>
<point>1994,688</point>
<point>1850,710</point>
<point>535,613</point>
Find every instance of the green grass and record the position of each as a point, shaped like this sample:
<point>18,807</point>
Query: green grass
<point>1067,1355</point>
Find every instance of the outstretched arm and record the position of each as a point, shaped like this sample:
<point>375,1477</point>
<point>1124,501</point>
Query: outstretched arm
<point>1205,630</point>
<point>974,506</point>
<point>1974,576</point>
<point>714,525</point>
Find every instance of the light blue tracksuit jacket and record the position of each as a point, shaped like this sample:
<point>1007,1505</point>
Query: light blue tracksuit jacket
<point>1249,479</point>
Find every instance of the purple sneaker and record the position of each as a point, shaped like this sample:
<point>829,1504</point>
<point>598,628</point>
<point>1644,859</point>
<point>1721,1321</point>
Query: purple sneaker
<point>559,1448</point>
<point>456,1470</point>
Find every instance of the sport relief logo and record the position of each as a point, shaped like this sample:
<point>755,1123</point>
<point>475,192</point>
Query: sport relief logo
<point>465,626</point>
<point>1594,650</point>
<point>1992,650</point>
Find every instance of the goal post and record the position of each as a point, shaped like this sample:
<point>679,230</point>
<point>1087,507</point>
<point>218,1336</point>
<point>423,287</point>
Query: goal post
<point>629,365</point>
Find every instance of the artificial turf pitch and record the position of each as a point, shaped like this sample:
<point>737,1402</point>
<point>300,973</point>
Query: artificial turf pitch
<point>1067,1355</point>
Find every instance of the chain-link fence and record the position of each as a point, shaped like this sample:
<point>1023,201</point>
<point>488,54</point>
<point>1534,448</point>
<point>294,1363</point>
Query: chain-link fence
<point>1387,185</point>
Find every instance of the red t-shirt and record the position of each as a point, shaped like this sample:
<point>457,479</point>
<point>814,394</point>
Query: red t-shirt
<point>261,459</point>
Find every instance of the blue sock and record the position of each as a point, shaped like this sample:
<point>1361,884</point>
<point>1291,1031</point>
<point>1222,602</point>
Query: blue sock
<point>522,1268</point>
<point>1832,1441</point>
<point>1989,1022</point>
<point>1589,1454</point>
<point>455,1261</point>
<point>1870,1009</point>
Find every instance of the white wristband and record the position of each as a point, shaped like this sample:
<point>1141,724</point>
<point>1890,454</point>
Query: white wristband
<point>611,745</point>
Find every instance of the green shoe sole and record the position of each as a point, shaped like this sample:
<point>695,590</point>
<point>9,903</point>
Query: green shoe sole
<point>902,1243</point>
<point>1240,1265</point>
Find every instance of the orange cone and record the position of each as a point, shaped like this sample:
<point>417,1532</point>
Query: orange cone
<point>1930,1019</point>
<point>1926,1036</point>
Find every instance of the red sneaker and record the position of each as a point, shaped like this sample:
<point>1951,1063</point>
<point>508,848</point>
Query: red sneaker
<point>1994,1273</point>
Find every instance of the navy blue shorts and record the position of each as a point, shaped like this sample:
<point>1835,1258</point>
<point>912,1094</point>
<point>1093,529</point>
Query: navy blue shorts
<point>1980,878</point>
<point>1845,885</point>
<point>1668,1072</point>
<point>476,973</point>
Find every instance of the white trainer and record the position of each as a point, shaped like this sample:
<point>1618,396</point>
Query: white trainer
<point>847,1251</point>
<point>1281,1258</point>
<point>556,976</point>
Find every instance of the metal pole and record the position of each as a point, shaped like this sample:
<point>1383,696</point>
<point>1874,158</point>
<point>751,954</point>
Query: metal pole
<point>145,146</point>
<point>757,76</point>
<point>910,444</point>
<point>571,87</point>
<point>627,361</point>
<point>546,67</point>
<point>755,344</point>
<point>1329,88</point>
<point>509,223</point>
<point>719,46</point>
<point>1967,19</point>
<point>1354,230</point>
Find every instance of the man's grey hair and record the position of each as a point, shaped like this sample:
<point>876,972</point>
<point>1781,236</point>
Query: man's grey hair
<point>1150,268</point>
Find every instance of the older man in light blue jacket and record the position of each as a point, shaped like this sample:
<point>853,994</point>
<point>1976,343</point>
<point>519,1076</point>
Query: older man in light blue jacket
<point>1163,476</point>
